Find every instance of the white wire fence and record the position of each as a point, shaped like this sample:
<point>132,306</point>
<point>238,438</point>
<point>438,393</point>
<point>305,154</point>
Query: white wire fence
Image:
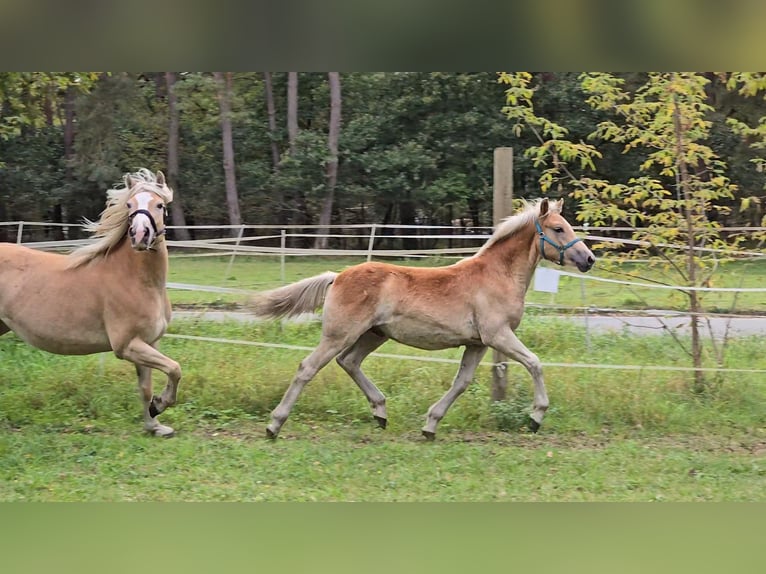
<point>370,241</point>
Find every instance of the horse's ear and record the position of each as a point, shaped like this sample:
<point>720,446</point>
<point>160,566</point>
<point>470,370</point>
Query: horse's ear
<point>544,206</point>
<point>160,178</point>
<point>129,181</point>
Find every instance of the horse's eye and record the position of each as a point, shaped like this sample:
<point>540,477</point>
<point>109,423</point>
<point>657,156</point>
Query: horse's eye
<point>558,229</point>
<point>160,206</point>
<point>130,205</point>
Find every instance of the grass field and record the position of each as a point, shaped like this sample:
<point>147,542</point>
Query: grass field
<point>70,426</point>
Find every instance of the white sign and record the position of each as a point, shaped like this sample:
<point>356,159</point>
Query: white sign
<point>546,280</point>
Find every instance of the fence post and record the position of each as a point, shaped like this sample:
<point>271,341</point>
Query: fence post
<point>371,244</point>
<point>502,206</point>
<point>234,253</point>
<point>282,246</point>
<point>20,231</point>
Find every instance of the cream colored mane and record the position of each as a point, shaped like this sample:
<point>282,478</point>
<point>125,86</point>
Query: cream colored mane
<point>530,210</point>
<point>112,226</point>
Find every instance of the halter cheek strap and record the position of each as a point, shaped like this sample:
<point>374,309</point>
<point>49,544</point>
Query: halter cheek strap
<point>560,248</point>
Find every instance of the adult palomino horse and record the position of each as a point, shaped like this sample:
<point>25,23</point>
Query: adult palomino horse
<point>477,302</point>
<point>106,296</point>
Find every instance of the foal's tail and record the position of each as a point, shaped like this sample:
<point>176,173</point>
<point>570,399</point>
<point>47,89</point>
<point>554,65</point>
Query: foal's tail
<point>305,296</point>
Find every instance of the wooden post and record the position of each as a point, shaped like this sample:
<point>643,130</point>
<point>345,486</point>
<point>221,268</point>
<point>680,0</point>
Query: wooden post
<point>502,207</point>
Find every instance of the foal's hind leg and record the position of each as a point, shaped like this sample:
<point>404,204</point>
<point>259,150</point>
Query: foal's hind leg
<point>471,359</point>
<point>151,424</point>
<point>309,367</point>
<point>351,359</point>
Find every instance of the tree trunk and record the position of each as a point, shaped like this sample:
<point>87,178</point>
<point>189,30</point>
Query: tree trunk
<point>58,209</point>
<point>176,208</point>
<point>298,197</point>
<point>325,217</point>
<point>691,261</point>
<point>272,112</point>
<point>279,195</point>
<point>224,101</point>
<point>407,217</point>
<point>292,109</point>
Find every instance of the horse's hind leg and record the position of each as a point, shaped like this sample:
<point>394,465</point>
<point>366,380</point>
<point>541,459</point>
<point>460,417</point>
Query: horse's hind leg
<point>471,359</point>
<point>351,359</point>
<point>309,367</point>
<point>151,424</point>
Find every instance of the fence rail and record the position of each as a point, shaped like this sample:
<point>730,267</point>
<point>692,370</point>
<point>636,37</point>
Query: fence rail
<point>264,240</point>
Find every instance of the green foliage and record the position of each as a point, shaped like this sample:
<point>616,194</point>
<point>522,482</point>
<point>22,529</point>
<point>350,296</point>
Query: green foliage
<point>414,147</point>
<point>676,206</point>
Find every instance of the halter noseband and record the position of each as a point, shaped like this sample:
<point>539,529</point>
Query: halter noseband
<point>157,233</point>
<point>560,248</point>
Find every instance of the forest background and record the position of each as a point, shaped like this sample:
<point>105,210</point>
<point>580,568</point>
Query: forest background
<point>319,148</point>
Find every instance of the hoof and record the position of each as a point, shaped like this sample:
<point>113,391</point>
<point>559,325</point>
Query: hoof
<point>382,422</point>
<point>162,431</point>
<point>534,426</point>
<point>430,436</point>
<point>270,434</point>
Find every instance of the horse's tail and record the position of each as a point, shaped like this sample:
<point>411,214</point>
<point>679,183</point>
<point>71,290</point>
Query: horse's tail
<point>304,296</point>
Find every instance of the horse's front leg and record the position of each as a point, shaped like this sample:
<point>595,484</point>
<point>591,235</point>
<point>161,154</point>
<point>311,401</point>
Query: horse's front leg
<point>506,341</point>
<point>151,424</point>
<point>145,355</point>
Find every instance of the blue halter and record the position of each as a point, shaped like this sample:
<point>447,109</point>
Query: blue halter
<point>559,248</point>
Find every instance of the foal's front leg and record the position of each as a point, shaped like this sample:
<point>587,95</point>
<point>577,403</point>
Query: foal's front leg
<point>506,341</point>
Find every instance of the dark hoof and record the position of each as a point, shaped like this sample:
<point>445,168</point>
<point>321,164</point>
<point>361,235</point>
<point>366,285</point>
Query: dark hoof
<point>271,435</point>
<point>381,421</point>
<point>534,426</point>
<point>430,436</point>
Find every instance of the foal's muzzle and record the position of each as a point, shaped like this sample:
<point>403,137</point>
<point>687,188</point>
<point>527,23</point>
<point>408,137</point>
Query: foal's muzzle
<point>586,265</point>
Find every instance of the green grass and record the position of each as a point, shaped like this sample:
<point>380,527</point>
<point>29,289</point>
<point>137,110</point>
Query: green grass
<point>263,272</point>
<point>70,426</point>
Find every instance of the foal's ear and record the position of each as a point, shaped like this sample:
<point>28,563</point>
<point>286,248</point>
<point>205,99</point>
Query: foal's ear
<point>160,178</point>
<point>544,206</point>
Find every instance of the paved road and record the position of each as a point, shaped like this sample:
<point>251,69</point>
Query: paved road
<point>643,325</point>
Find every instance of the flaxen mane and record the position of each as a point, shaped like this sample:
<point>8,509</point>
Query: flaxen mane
<point>507,227</point>
<point>113,223</point>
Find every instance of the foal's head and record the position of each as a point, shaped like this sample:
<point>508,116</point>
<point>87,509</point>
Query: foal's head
<point>146,204</point>
<point>558,242</point>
